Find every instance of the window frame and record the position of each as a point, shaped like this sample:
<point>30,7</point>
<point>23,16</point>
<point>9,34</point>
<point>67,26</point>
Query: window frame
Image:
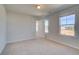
<point>61,25</point>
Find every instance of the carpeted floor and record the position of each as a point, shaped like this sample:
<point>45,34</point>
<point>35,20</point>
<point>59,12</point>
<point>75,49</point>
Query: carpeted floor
<point>38,47</point>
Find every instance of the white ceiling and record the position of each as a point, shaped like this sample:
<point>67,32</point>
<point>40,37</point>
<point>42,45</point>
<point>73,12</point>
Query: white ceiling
<point>30,9</point>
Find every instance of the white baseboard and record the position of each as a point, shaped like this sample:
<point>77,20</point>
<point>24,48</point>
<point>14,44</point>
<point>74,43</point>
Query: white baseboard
<point>64,43</point>
<point>19,40</point>
<point>2,48</point>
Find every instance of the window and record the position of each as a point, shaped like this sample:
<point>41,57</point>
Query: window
<point>67,24</point>
<point>37,26</point>
<point>46,26</point>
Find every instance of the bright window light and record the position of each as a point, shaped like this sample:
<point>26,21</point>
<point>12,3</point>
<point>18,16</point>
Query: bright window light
<point>37,26</point>
<point>67,24</point>
<point>46,26</point>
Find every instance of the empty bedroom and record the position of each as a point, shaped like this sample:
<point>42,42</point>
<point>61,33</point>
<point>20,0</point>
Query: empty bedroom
<point>39,29</point>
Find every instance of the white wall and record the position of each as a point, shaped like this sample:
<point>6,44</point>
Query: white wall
<point>54,28</point>
<point>20,27</point>
<point>3,29</point>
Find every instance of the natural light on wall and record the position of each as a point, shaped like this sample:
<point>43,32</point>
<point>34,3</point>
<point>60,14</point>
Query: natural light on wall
<point>67,24</point>
<point>46,26</point>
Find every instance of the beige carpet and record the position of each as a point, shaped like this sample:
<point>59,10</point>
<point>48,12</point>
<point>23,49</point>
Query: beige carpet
<point>38,47</point>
